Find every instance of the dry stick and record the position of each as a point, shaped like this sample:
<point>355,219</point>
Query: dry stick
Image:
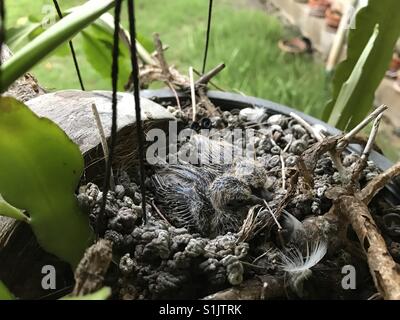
<point>268,287</point>
<point>205,79</point>
<point>385,272</point>
<point>201,86</point>
<point>193,94</point>
<point>175,94</point>
<point>161,57</point>
<point>210,82</point>
<point>345,140</point>
<point>164,67</point>
<point>378,183</point>
<point>91,271</point>
<point>375,296</point>
<point>283,170</point>
<point>273,216</point>
<point>362,162</point>
<point>264,291</point>
<point>159,213</point>
<point>371,138</point>
<point>103,140</point>
<point>317,135</point>
<point>260,257</point>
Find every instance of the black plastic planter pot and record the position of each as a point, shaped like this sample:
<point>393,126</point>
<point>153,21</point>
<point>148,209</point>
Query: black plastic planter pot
<point>229,101</point>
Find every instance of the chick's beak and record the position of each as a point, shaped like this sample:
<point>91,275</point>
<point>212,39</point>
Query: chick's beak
<point>255,200</point>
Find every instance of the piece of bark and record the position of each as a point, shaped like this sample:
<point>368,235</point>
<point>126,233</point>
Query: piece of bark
<point>72,111</point>
<point>266,287</point>
<point>89,274</point>
<point>385,272</point>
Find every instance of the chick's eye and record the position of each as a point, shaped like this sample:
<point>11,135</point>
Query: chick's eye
<point>239,202</point>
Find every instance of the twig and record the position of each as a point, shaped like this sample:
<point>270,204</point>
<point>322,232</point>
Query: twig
<point>90,273</point>
<point>204,79</point>
<point>175,94</point>
<point>362,162</point>
<point>260,256</point>
<point>283,171</point>
<point>345,140</point>
<point>268,287</point>
<point>273,216</point>
<point>264,291</point>
<point>210,82</point>
<point>252,265</point>
<point>164,66</point>
<point>159,213</point>
<point>161,58</point>
<point>378,183</point>
<point>103,140</point>
<point>375,296</point>
<point>371,138</point>
<point>248,224</point>
<point>317,135</point>
<point>193,94</point>
<point>385,272</point>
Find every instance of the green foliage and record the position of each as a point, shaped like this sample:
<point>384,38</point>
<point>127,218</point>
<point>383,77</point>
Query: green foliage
<point>242,37</point>
<point>5,294</point>
<point>247,41</point>
<point>40,168</point>
<point>29,28</point>
<point>343,113</point>
<point>51,39</point>
<point>385,14</point>
<point>7,210</point>
<point>97,45</point>
<point>101,294</point>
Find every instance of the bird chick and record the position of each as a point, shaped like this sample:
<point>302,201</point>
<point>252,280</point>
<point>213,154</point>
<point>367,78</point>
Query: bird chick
<point>211,198</point>
<point>200,200</point>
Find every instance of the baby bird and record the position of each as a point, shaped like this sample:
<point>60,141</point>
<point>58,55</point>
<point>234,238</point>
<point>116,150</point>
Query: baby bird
<point>212,199</point>
<point>196,198</point>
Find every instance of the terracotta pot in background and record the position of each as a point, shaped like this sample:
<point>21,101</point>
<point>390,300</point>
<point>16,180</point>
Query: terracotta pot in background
<point>318,7</point>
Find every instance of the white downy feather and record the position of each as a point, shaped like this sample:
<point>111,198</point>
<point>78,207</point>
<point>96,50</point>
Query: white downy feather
<point>294,227</point>
<point>297,265</point>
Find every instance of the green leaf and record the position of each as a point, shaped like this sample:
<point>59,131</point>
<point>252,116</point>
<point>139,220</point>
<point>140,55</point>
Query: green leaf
<point>97,45</point>
<point>5,294</point>
<point>49,40</point>
<point>102,294</point>
<point>146,42</point>
<point>18,36</point>
<point>40,168</point>
<point>143,45</point>
<point>342,113</point>
<point>385,14</point>
<point>7,210</point>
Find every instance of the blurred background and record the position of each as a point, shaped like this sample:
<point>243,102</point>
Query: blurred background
<point>261,42</point>
<point>244,36</point>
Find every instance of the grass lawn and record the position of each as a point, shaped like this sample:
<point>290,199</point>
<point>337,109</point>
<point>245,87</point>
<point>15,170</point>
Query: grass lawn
<point>242,37</point>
